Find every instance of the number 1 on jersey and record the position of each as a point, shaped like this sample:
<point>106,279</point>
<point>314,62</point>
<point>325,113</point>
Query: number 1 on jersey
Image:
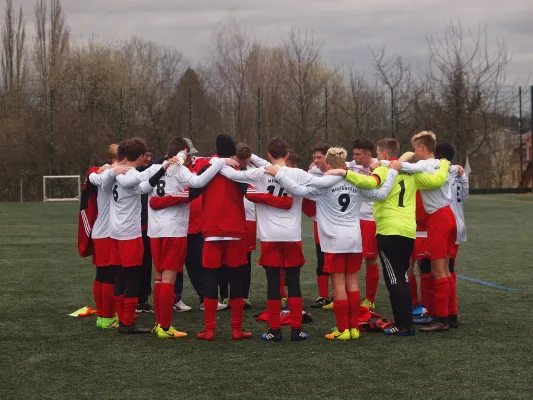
<point>402,193</point>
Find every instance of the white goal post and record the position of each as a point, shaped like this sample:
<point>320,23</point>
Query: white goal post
<point>62,195</point>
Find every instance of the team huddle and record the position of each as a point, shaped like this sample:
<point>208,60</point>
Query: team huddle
<point>208,212</point>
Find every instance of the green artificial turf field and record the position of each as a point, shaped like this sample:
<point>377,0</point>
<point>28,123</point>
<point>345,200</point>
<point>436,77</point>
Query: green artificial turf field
<point>45,354</point>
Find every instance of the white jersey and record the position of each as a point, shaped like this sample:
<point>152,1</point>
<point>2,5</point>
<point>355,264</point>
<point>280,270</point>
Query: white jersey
<point>125,209</point>
<point>338,207</point>
<point>173,221</point>
<point>366,213</point>
<point>249,208</point>
<point>274,224</point>
<point>434,199</point>
<point>104,183</point>
<point>460,189</point>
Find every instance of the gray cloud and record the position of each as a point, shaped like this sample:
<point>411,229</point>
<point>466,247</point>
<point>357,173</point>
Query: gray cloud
<point>348,28</point>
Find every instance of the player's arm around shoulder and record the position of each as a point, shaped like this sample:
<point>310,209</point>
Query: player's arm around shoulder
<point>383,192</point>
<point>367,182</point>
<point>426,181</point>
<point>294,187</point>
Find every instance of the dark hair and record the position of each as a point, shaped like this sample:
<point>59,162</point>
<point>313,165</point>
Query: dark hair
<point>131,149</point>
<point>278,148</point>
<point>445,150</point>
<point>244,151</point>
<point>321,147</point>
<point>390,146</point>
<point>176,145</point>
<point>364,144</point>
<point>226,146</point>
<point>293,157</point>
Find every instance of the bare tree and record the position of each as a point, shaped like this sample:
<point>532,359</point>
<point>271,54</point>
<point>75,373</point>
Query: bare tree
<point>305,78</point>
<point>51,42</point>
<point>470,78</point>
<point>14,67</point>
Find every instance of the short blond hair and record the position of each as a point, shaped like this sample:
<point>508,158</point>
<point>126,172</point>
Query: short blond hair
<point>336,157</point>
<point>408,156</point>
<point>112,151</point>
<point>427,138</point>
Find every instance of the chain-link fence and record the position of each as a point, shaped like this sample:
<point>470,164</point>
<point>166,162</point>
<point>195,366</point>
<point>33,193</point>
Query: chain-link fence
<point>63,131</point>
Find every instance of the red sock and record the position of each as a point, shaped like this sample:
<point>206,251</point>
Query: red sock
<point>237,312</point>
<point>97,295</point>
<point>274,310</point>
<point>210,313</point>
<point>372,281</point>
<point>108,303</point>
<point>157,290</point>
<point>130,305</point>
<point>452,306</point>
<point>442,297</point>
<point>414,290</point>
<point>342,310</point>
<point>323,286</point>
<point>296,307</point>
<point>119,307</point>
<point>166,302</point>
<point>282,283</point>
<point>354,303</point>
<point>426,289</point>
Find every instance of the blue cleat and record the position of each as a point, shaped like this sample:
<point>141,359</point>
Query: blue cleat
<point>423,320</point>
<point>419,310</point>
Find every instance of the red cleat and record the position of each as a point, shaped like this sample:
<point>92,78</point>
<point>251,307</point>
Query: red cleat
<point>239,334</point>
<point>208,335</point>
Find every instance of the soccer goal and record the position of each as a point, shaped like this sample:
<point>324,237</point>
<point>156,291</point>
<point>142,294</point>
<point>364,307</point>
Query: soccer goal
<point>61,188</point>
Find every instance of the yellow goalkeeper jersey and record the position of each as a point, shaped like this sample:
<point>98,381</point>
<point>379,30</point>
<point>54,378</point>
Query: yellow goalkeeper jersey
<point>396,215</point>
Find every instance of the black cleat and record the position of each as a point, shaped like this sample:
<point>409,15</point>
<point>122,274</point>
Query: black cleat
<point>299,335</point>
<point>453,322</point>
<point>320,302</point>
<point>273,335</point>
<point>132,330</point>
<point>144,308</point>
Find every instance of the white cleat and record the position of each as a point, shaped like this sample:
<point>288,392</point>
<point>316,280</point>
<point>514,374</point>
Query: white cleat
<point>180,306</point>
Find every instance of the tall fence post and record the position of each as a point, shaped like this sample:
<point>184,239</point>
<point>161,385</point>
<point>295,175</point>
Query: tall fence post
<point>52,145</point>
<point>190,113</point>
<point>121,112</point>
<point>457,125</point>
<point>520,132</point>
<point>258,120</point>
<point>392,120</point>
<point>21,189</point>
<point>531,138</point>
<point>326,111</point>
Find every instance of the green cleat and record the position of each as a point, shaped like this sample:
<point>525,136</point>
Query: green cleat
<point>107,323</point>
<point>368,304</point>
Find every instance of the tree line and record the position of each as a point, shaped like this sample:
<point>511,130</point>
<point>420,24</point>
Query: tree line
<point>62,103</point>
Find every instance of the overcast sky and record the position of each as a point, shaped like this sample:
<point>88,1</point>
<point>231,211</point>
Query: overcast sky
<point>348,27</point>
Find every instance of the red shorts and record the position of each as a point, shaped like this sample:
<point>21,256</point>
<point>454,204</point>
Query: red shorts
<point>454,251</point>
<point>442,233</point>
<point>105,253</point>
<point>251,236</point>
<point>370,243</point>
<point>342,263</point>
<point>419,250</point>
<point>281,254</point>
<point>130,252</point>
<point>169,253</point>
<point>217,253</point>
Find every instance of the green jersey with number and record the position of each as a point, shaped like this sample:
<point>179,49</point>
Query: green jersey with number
<point>396,215</point>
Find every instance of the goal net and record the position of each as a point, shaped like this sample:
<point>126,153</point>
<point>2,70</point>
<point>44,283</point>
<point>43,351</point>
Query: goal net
<point>61,188</point>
